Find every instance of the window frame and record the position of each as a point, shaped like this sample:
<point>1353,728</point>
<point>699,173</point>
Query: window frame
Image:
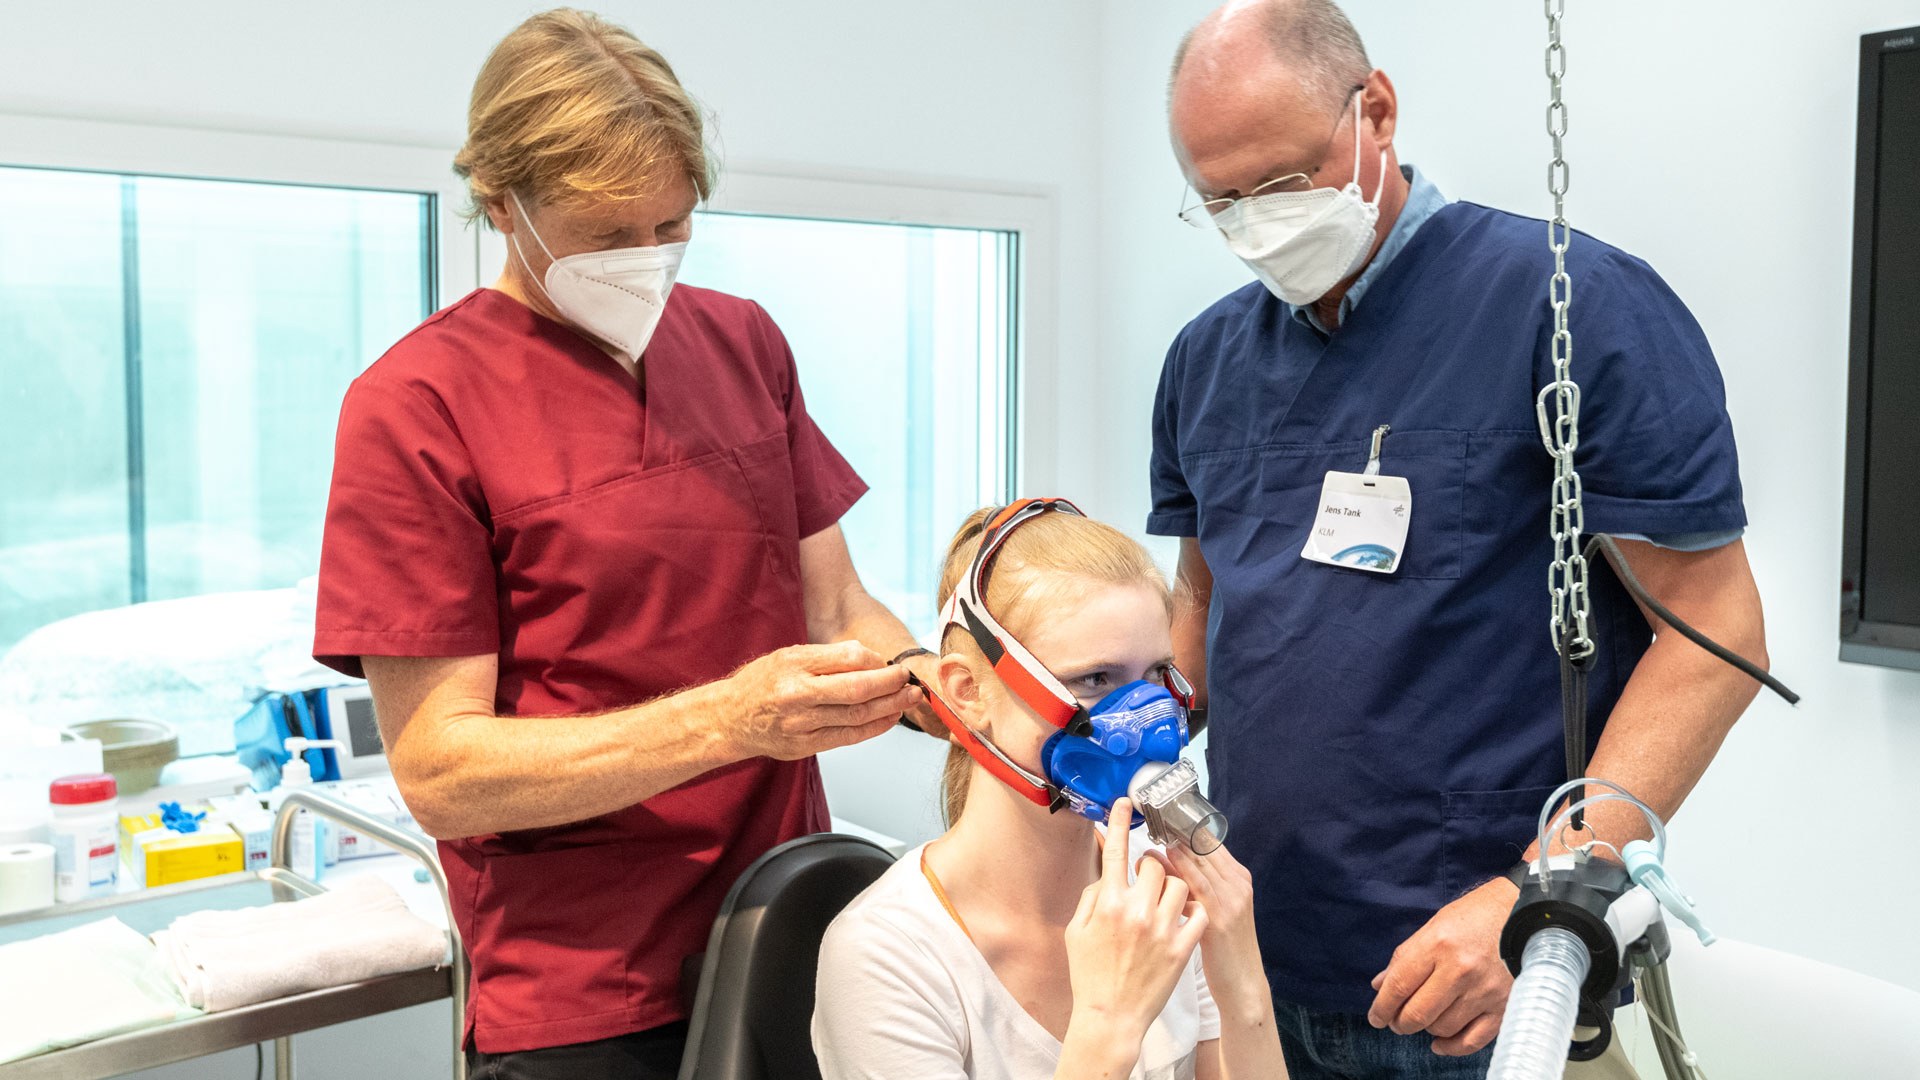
<point>197,154</point>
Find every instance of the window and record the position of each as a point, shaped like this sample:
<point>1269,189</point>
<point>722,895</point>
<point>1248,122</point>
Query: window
<point>903,335</point>
<point>173,354</point>
<point>172,357</point>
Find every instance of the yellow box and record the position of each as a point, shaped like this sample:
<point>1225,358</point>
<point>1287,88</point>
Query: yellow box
<point>156,855</point>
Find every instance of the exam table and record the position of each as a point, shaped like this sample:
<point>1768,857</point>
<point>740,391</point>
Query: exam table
<point>268,1021</point>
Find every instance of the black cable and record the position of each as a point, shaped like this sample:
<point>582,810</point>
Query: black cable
<point>1573,720</point>
<point>1573,672</point>
<point>259,1061</point>
<point>1619,560</point>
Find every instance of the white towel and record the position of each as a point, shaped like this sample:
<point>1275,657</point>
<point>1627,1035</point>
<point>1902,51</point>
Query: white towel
<point>361,930</point>
<point>86,983</point>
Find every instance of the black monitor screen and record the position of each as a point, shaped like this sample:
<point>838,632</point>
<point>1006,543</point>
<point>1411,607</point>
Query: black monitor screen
<point>1890,559</point>
<point>363,730</point>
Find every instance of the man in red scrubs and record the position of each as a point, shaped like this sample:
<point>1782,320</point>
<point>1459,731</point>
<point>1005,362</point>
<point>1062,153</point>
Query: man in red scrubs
<point>583,543</point>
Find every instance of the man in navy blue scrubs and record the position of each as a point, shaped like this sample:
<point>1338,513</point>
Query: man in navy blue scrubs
<point>1383,741</point>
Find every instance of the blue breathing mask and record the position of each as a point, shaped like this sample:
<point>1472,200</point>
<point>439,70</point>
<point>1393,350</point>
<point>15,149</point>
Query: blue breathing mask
<point>1138,723</point>
<point>1133,751</point>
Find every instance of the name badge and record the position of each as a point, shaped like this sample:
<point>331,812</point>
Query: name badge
<point>1362,519</point>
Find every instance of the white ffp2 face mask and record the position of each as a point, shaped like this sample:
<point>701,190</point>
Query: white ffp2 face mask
<point>1302,244</point>
<point>617,295</point>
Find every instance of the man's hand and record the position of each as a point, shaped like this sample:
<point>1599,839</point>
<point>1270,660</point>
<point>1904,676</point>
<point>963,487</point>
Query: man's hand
<point>1448,978</point>
<point>804,699</point>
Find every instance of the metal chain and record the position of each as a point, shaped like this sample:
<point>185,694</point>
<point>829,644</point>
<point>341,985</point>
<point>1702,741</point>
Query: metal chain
<point>1567,577</point>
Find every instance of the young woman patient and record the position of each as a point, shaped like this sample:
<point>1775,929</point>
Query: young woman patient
<point>1022,944</point>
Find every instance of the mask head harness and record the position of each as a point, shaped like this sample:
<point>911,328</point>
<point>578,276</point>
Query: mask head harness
<point>1033,684</point>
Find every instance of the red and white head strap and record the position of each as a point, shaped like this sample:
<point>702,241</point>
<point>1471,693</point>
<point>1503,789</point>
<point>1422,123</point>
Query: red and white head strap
<point>1025,676</point>
<point>1028,678</point>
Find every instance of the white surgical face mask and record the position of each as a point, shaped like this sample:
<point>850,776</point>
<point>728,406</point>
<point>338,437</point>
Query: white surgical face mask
<point>1301,244</point>
<point>616,296</point>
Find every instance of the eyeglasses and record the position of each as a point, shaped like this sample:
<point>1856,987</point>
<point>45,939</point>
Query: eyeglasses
<point>1206,215</point>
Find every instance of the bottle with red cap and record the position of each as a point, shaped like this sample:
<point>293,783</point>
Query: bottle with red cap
<point>86,840</point>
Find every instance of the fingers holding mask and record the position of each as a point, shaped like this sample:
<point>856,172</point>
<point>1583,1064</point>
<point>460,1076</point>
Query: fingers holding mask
<point>1116,845</point>
<point>858,687</point>
<point>838,656</point>
<point>1126,945</point>
<point>1150,874</point>
<point>1175,899</point>
<point>1145,882</point>
<point>1191,868</point>
<point>803,699</point>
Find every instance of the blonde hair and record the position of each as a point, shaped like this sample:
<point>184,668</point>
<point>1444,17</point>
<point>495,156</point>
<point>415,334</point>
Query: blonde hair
<point>1049,559</point>
<point>570,106</point>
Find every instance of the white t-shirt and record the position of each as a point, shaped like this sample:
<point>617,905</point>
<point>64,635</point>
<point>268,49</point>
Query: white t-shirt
<point>902,993</point>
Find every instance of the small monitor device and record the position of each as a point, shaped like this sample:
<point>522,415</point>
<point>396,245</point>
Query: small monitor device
<point>350,716</point>
<point>1880,575</point>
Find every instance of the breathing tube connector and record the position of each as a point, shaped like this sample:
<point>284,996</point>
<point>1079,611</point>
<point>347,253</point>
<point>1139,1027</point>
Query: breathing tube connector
<point>1579,930</point>
<point>1545,1005</point>
<point>1575,911</point>
<point>1168,796</point>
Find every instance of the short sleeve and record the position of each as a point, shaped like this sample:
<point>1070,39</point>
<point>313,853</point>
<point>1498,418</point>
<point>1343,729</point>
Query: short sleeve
<point>883,1007</point>
<point>1656,453</point>
<point>825,485</point>
<point>406,564</point>
<point>1175,511</point>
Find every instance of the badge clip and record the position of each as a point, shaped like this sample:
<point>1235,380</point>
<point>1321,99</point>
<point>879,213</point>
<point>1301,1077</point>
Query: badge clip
<point>1373,455</point>
<point>1362,519</point>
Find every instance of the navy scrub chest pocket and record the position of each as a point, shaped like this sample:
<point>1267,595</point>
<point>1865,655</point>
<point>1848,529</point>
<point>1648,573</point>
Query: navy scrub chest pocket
<point>1264,500</point>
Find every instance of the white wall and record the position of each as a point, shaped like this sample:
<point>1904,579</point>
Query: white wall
<point>1715,139</point>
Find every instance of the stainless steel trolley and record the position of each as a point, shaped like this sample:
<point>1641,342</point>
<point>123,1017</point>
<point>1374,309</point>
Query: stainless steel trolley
<point>276,1021</point>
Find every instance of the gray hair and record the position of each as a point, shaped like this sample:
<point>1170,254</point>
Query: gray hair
<point>1314,38</point>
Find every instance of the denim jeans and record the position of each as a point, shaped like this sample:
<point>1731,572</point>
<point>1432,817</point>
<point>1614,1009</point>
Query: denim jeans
<point>1343,1046</point>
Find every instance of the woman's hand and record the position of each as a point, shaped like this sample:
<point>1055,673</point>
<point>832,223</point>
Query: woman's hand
<point>1230,950</point>
<point>1126,949</point>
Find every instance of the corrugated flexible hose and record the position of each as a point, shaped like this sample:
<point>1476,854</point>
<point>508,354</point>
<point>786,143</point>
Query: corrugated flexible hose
<point>1538,1028</point>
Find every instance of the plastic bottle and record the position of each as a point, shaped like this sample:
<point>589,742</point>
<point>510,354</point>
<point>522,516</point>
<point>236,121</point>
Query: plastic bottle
<point>311,836</point>
<point>86,836</point>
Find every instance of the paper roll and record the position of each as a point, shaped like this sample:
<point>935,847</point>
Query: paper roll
<point>26,877</point>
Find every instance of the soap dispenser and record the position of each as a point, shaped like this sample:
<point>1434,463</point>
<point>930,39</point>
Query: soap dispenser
<point>311,835</point>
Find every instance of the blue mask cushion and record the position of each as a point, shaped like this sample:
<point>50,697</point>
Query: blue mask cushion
<point>1137,723</point>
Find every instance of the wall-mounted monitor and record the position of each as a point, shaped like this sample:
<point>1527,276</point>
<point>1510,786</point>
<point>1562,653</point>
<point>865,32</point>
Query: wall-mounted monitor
<point>1880,574</point>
